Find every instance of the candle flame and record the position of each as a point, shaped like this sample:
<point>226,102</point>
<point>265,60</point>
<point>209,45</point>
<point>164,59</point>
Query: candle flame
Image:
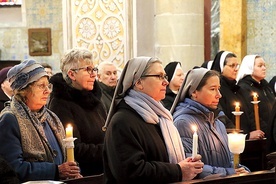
<point>194,128</point>
<point>255,94</point>
<point>237,104</point>
<point>69,126</point>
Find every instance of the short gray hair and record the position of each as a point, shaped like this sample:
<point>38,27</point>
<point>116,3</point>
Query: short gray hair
<point>72,60</point>
<point>103,64</point>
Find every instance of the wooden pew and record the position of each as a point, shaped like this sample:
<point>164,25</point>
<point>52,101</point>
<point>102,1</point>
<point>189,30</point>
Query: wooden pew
<point>95,179</point>
<point>254,155</point>
<point>258,177</point>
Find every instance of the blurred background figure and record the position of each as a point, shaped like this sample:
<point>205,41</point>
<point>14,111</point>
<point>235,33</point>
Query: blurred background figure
<point>207,64</point>
<point>6,90</point>
<point>176,76</point>
<point>31,136</point>
<point>48,69</point>
<point>226,63</point>
<point>107,77</point>
<point>251,79</point>
<point>76,100</point>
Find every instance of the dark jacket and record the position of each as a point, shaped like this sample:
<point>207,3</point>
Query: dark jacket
<point>7,174</point>
<point>232,93</point>
<point>169,98</point>
<point>85,112</point>
<point>107,95</point>
<point>271,137</point>
<point>135,152</point>
<point>3,98</point>
<point>212,139</point>
<point>272,84</point>
<point>12,151</point>
<point>265,96</point>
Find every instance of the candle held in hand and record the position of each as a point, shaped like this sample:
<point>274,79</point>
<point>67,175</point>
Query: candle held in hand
<point>70,149</point>
<point>195,141</point>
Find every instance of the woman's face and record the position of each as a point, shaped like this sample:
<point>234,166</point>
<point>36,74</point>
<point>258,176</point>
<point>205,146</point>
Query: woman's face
<point>83,78</point>
<point>259,70</point>
<point>177,80</point>
<point>37,97</point>
<point>230,69</point>
<point>153,86</point>
<point>209,94</point>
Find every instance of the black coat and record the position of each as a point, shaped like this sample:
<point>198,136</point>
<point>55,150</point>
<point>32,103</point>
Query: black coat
<point>107,95</point>
<point>85,112</point>
<point>3,99</point>
<point>135,152</point>
<point>232,93</point>
<point>266,98</point>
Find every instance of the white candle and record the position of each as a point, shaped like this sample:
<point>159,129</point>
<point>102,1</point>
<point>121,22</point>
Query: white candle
<point>195,142</point>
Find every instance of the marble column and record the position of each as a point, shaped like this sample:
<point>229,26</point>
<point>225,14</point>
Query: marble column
<point>233,23</point>
<point>179,32</point>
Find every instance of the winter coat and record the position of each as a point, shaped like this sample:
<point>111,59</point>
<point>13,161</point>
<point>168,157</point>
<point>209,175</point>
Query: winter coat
<point>3,99</point>
<point>11,150</point>
<point>107,95</point>
<point>266,98</point>
<point>85,112</point>
<point>212,137</point>
<point>135,152</point>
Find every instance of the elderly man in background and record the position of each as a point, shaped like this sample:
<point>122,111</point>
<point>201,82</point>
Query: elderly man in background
<point>107,77</point>
<point>6,90</point>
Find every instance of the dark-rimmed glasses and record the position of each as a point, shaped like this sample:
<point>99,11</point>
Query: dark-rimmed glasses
<point>89,69</point>
<point>161,77</point>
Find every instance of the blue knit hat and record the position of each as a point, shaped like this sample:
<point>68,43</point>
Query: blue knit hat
<point>25,73</point>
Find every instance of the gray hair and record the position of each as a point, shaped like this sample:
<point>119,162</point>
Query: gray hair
<point>103,64</point>
<point>72,60</point>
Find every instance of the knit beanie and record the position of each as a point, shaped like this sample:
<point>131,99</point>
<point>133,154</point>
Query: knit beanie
<point>25,73</point>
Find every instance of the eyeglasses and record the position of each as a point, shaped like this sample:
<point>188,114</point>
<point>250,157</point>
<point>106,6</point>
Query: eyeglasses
<point>234,66</point>
<point>43,87</point>
<point>161,77</point>
<point>89,69</point>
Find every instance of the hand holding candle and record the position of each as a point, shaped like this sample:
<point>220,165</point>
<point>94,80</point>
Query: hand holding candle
<point>195,142</point>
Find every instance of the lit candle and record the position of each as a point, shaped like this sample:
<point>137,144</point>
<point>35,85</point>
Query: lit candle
<point>237,107</point>
<point>237,116</point>
<point>69,131</point>
<point>195,141</point>
<point>256,111</point>
<point>70,149</point>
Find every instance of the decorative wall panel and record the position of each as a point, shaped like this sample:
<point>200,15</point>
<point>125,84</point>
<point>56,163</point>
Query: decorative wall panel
<point>100,26</point>
<point>261,36</point>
